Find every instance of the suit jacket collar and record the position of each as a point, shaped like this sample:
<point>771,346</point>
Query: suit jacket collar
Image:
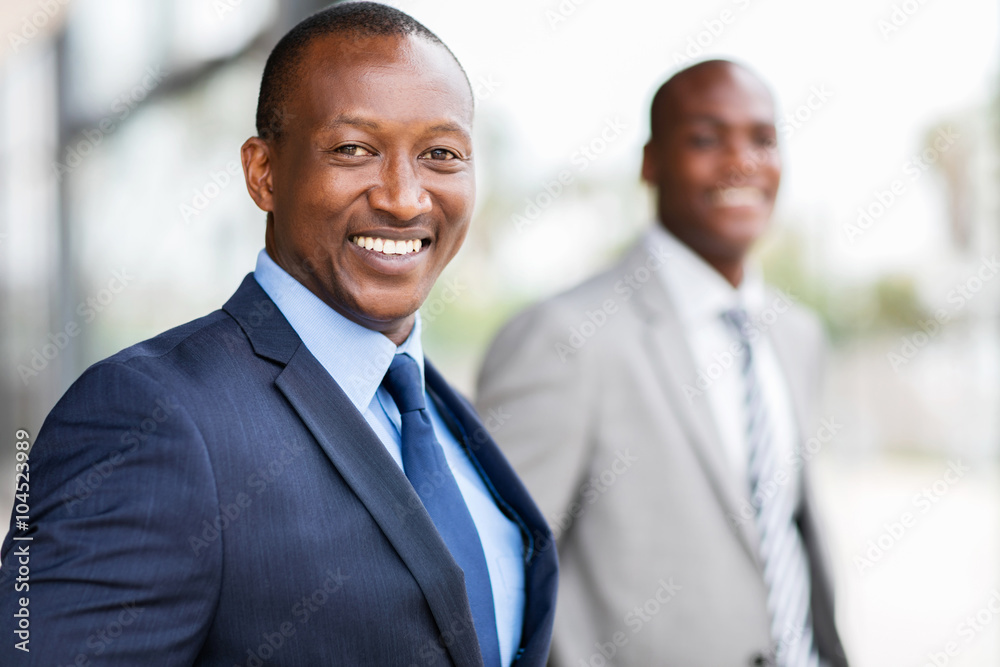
<point>363,462</point>
<point>365,465</point>
<point>667,346</point>
<point>541,564</point>
<point>270,334</point>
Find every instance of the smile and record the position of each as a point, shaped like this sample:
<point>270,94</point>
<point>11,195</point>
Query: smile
<point>739,197</point>
<point>388,246</point>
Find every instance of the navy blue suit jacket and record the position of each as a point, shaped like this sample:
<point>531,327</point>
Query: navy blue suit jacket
<point>211,497</point>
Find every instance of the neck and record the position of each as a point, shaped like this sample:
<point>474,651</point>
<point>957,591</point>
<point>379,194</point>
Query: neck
<point>732,271</point>
<point>398,335</point>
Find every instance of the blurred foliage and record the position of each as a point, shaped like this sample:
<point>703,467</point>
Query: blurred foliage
<point>847,311</point>
<point>464,326</point>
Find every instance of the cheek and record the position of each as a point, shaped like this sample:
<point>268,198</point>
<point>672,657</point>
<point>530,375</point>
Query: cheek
<point>699,172</point>
<point>775,168</point>
<point>457,203</point>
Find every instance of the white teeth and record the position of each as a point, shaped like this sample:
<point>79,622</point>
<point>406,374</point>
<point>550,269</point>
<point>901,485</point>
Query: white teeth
<point>738,197</point>
<point>388,246</point>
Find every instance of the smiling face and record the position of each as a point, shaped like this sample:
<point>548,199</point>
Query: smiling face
<point>371,185</point>
<point>714,161</point>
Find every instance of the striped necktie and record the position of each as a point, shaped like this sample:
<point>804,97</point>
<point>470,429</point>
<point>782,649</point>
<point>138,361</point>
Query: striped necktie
<point>427,469</point>
<point>782,552</point>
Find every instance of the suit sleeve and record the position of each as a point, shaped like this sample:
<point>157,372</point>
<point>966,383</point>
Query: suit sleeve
<point>120,489</point>
<point>535,392</point>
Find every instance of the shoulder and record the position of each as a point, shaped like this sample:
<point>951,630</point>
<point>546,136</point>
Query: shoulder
<point>151,371</point>
<point>576,314</point>
<point>792,322</point>
<point>170,375</point>
<point>215,344</point>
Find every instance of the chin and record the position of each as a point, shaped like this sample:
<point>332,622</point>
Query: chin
<point>742,229</point>
<point>392,312</point>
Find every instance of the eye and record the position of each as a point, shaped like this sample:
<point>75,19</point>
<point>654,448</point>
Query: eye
<point>439,154</point>
<point>767,141</point>
<point>353,150</point>
<point>702,140</point>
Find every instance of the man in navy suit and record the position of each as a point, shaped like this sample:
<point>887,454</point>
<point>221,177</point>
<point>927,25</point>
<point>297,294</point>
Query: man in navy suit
<point>241,490</point>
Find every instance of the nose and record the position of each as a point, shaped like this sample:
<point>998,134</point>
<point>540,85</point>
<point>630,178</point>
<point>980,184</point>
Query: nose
<point>400,192</point>
<point>740,152</point>
<point>744,159</point>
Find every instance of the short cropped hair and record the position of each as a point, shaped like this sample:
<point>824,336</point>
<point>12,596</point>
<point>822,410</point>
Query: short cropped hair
<point>284,66</point>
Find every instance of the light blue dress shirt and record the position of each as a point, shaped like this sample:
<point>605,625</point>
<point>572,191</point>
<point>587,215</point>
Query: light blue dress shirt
<point>357,359</point>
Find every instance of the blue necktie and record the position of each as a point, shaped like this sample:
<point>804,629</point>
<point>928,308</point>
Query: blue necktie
<point>428,472</point>
<point>782,552</point>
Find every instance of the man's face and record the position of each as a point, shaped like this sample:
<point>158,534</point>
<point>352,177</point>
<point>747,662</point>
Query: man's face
<point>372,185</point>
<point>714,161</point>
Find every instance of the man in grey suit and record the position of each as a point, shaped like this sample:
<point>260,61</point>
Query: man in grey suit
<point>663,414</point>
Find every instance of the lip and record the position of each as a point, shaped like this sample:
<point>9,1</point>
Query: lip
<point>393,265</point>
<point>760,200</point>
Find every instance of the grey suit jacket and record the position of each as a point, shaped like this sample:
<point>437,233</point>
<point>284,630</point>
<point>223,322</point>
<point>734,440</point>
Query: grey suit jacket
<point>657,568</point>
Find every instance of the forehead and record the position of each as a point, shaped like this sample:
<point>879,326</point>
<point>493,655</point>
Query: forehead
<point>724,94</point>
<point>398,78</point>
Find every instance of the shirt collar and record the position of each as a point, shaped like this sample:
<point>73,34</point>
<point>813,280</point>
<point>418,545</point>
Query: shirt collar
<point>355,357</point>
<point>698,291</point>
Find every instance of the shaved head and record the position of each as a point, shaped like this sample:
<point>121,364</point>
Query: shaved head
<point>354,21</point>
<point>664,109</point>
<point>712,157</point>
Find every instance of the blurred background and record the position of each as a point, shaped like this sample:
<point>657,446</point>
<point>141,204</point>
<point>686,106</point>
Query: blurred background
<point>123,212</point>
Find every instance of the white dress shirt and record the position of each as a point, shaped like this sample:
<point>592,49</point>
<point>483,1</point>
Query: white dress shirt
<point>701,295</point>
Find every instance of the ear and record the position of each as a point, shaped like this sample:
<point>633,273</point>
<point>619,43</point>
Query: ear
<point>257,154</point>
<point>649,163</point>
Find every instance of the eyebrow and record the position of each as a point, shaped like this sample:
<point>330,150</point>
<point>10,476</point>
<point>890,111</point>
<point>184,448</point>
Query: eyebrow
<point>357,121</point>
<point>716,120</point>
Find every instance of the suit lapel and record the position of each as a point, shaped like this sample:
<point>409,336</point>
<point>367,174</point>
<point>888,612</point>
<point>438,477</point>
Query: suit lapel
<point>541,569</point>
<point>668,348</point>
<point>364,464</point>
